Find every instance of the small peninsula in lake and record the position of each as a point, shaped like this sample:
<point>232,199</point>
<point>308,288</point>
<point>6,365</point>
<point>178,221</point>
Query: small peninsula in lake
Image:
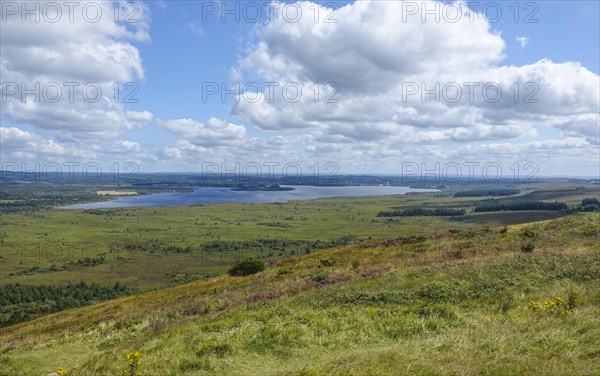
<point>260,187</point>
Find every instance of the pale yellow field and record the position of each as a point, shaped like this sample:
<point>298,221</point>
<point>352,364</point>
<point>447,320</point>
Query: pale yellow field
<point>116,193</point>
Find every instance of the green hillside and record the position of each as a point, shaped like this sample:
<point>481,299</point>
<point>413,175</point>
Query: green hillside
<point>459,302</point>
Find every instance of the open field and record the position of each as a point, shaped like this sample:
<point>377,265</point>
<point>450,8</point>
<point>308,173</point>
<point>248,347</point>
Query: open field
<point>459,303</point>
<point>153,247</point>
<point>341,284</point>
<point>135,241</point>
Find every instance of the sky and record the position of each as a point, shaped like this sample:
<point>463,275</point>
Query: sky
<point>381,87</point>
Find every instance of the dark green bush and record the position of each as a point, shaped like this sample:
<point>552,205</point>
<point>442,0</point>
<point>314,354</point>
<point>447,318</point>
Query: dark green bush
<point>246,267</point>
<point>528,247</point>
<point>528,233</point>
<point>591,208</point>
<point>327,263</point>
<point>590,201</point>
<point>320,276</point>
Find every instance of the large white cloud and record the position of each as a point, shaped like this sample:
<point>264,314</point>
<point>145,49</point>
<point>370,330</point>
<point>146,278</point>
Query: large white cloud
<point>383,61</point>
<point>370,47</point>
<point>372,123</point>
<point>74,59</point>
<point>20,145</point>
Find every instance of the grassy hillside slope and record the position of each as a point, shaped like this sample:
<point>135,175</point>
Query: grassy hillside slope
<point>465,302</point>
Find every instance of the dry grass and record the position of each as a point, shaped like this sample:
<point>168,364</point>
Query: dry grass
<point>449,304</point>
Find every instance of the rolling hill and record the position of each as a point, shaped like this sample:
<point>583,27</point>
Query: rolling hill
<point>464,302</point>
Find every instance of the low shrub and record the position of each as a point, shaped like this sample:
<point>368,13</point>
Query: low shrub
<point>327,263</point>
<point>527,247</point>
<point>247,267</point>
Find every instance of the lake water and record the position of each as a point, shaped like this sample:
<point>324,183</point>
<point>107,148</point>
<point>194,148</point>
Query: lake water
<point>208,195</point>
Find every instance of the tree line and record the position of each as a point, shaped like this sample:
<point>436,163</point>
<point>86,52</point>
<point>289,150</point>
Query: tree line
<point>487,192</point>
<point>20,302</point>
<point>519,206</point>
<point>440,212</point>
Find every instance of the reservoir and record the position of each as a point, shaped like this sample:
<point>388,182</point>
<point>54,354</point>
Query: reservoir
<point>208,195</point>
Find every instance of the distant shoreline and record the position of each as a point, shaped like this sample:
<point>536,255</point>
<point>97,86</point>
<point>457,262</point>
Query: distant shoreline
<point>116,193</point>
<point>271,188</point>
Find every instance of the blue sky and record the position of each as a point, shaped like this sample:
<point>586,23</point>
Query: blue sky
<point>372,53</point>
<point>565,31</point>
